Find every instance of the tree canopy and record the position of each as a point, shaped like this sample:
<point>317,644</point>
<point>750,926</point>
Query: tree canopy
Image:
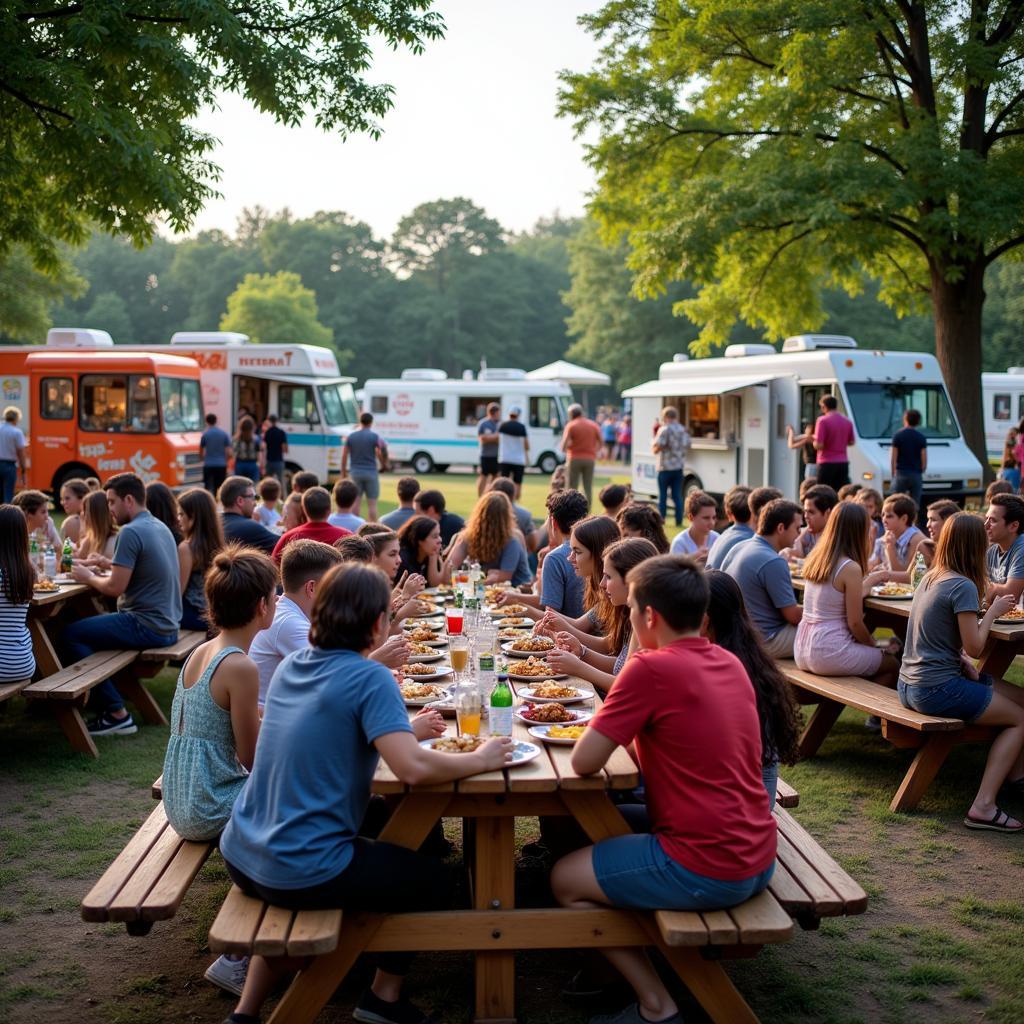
<point>274,308</point>
<point>763,149</point>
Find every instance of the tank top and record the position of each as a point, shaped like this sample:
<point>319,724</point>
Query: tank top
<point>822,602</point>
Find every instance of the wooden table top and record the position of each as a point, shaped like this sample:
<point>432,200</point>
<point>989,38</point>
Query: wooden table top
<point>67,591</point>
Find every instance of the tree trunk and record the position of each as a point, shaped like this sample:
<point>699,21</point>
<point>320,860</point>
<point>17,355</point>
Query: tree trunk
<point>957,307</point>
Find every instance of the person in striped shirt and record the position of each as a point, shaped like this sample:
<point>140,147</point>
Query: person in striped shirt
<point>17,577</point>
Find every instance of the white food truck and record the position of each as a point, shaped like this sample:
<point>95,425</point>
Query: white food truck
<point>314,403</point>
<point>737,408</point>
<point>429,420</point>
<point>1003,405</point>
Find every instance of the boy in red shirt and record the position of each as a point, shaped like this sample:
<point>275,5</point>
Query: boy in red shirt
<point>706,838</point>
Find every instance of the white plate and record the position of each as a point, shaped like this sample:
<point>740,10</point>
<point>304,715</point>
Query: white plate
<point>415,623</point>
<point>526,692</point>
<point>437,642</point>
<point>422,702</point>
<point>425,659</point>
<point>513,653</point>
<point>1009,622</point>
<point>535,679</point>
<point>433,613</point>
<point>504,613</point>
<point>581,716</point>
<point>541,733</point>
<point>514,622</point>
<point>522,752</point>
<point>891,597</point>
<point>428,677</point>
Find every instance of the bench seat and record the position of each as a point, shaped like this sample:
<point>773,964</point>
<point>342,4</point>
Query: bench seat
<point>188,640</point>
<point>786,795</point>
<point>13,689</point>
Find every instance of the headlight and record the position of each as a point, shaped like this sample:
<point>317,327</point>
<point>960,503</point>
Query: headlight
<point>971,484</point>
<point>868,476</point>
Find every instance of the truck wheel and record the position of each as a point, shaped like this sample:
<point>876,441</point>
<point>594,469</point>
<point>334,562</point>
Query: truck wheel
<point>422,464</point>
<point>548,463</point>
<point>691,484</point>
<point>69,472</point>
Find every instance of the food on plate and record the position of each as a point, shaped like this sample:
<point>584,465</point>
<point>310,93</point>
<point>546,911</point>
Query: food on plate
<point>417,648</point>
<point>457,744</point>
<point>894,590</point>
<point>533,643</point>
<point>420,633</point>
<point>418,669</point>
<point>531,667</point>
<point>550,688</point>
<point>566,732</point>
<point>512,634</point>
<point>45,586</point>
<point>421,691</point>
<point>1014,613</point>
<point>548,713</point>
<point>491,593</point>
<point>513,609</point>
<point>514,621</point>
<point>423,608</point>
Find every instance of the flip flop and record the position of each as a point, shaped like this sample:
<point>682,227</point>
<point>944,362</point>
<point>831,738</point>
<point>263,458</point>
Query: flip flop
<point>997,823</point>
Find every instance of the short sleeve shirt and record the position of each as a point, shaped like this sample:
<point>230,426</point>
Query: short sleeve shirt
<point>835,433</point>
<point>362,450</point>
<point>765,580</point>
<point>274,440</point>
<point>691,710</point>
<point>881,553</point>
<point>487,428</point>
<point>673,442</point>
<point>12,441</point>
<point>583,438</point>
<point>931,654</point>
<point>561,588</point>
<point>214,444</point>
<point>511,443</point>
<point>512,558</point>
<point>153,595</point>
<point>288,633</point>
<point>726,542</point>
<point>684,544</point>
<point>1003,567</point>
<point>909,443</point>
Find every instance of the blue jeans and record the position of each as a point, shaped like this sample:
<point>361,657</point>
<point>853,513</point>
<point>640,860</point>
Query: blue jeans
<point>670,479</point>
<point>770,778</point>
<point>8,480</point>
<point>908,483</point>
<point>249,469</point>
<point>119,631</point>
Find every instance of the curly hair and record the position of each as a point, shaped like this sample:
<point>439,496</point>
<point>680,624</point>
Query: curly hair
<point>733,631</point>
<point>489,527</point>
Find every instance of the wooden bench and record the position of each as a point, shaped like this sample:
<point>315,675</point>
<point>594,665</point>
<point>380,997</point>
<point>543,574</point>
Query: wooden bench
<point>786,795</point>
<point>932,736</point>
<point>149,877</point>
<point>12,689</point>
<point>808,885</point>
<point>188,640</point>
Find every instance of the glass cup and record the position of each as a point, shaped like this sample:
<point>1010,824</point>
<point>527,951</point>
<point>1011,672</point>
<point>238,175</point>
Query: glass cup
<point>458,653</point>
<point>467,709</point>
<point>453,618</point>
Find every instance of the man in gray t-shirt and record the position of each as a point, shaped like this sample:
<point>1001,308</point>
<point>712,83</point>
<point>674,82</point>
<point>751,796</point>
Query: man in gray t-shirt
<point>1004,525</point>
<point>366,453</point>
<point>144,579</point>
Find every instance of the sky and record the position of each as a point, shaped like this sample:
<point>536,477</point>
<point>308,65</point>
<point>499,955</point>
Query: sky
<point>474,116</point>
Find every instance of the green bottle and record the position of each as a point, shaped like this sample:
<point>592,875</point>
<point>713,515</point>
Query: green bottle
<point>500,718</point>
<point>66,556</point>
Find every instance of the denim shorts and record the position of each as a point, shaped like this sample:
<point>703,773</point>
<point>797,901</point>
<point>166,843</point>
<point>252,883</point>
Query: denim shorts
<point>959,698</point>
<point>634,871</point>
<point>368,484</point>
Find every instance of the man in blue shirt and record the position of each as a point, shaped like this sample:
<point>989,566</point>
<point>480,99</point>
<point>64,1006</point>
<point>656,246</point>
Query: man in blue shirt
<point>1004,525</point>
<point>237,497</point>
<point>215,448</point>
<point>737,511</point>
<point>908,457</point>
<point>756,500</point>
<point>763,576</point>
<point>487,432</point>
<point>368,455</point>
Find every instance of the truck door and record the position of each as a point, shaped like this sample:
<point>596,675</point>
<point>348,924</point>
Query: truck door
<point>53,440</point>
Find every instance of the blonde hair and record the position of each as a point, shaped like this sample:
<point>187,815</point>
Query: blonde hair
<point>847,534</point>
<point>961,548</point>
<point>98,525</point>
<point>489,527</point>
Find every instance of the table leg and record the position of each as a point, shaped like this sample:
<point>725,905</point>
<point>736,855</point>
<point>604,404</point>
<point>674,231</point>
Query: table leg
<point>997,657</point>
<point>494,889</point>
<point>69,718</point>
<point>132,688</point>
<point>413,819</point>
<point>923,769</point>
<point>824,717</point>
<point>47,662</point>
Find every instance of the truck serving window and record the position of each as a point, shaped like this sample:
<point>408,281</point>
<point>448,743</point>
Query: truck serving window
<point>182,404</point>
<point>339,404</point>
<point>878,409</point>
<point>1001,407</point>
<point>297,404</point>
<point>103,403</point>
<point>473,410</point>
<point>57,398</point>
<point>545,412</point>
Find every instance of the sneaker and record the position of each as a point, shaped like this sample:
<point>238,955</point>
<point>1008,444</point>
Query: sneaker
<point>371,1010</point>
<point>228,974</point>
<point>107,725</point>
<point>873,722</point>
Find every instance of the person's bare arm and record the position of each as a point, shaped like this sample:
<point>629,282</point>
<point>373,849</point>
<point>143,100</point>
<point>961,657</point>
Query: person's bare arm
<point>974,634</point>
<point>344,461</point>
<point>113,585</point>
<point>793,614</point>
<point>850,581</point>
<point>924,459</point>
<point>591,752</point>
<point>184,565</point>
<point>1011,588</point>
<point>243,690</point>
<point>892,460</point>
<point>416,766</point>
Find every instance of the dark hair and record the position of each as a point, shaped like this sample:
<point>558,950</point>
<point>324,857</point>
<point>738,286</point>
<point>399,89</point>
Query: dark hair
<point>304,560</point>
<point>624,555</point>
<point>270,488</point>
<point>503,485</point>
<point>407,487</point>
<point>206,537</point>
<point>902,505</point>
<point>77,486</point>
<point>163,505</point>
<point>596,533</point>
<point>366,419</point>
<point>431,499</point>
<point>646,521</point>
<point>567,508</point>
<point>349,601</point>
<point>944,508</point>
<point>316,503</point>
<point>1013,509</point>
<point>128,485</point>
<point>232,489</point>
<point>237,580</point>
<point>997,487</point>
<point>302,482</point>
<point>674,586</point>
<point>848,491</point>
<point>830,402</point>
<point>354,549</point>
<point>913,418</point>
<point>378,539</point>
<point>346,494</point>
<point>211,419</point>
<point>17,574</point>
<point>733,630</point>
<point>822,496</point>
<point>759,497</point>
<point>779,512</point>
<point>737,503</point>
<point>414,530</point>
<point>613,495</point>
<point>696,500</point>
<point>30,501</point>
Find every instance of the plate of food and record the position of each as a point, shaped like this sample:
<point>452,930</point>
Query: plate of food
<point>417,629</point>
<point>509,609</point>
<point>514,622</point>
<point>522,752</point>
<point>423,673</point>
<point>527,645</point>
<point>418,694</point>
<point>423,610</point>
<point>534,668</point>
<point>491,593</point>
<point>554,713</point>
<point>45,586</point>
<point>548,690</point>
<point>1014,617</point>
<point>510,633</point>
<point>422,653</point>
<point>426,638</point>
<point>893,592</point>
<point>559,735</point>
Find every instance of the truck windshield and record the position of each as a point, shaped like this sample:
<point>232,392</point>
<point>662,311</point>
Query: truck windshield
<point>878,408</point>
<point>182,404</point>
<point>339,404</point>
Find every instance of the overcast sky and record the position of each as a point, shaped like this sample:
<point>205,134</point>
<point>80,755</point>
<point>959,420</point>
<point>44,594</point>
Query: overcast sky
<point>474,116</point>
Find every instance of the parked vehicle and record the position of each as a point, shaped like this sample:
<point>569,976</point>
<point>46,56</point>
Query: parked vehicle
<point>1003,404</point>
<point>429,420</point>
<point>737,407</point>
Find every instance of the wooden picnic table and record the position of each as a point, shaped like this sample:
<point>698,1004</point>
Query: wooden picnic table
<point>43,607</point>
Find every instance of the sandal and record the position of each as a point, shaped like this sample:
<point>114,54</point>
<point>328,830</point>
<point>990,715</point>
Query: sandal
<point>997,823</point>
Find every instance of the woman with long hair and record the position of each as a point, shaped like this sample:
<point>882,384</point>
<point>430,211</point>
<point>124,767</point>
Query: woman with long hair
<point>419,550</point>
<point>936,677</point>
<point>248,450</point>
<point>489,538</point>
<point>72,494</point>
<point>203,538</point>
<point>636,520</point>
<point>1009,466</point>
<point>99,531</point>
<point>832,639</point>
<point>729,626</point>
<point>163,505</point>
<point>576,658</point>
<point>17,578</point>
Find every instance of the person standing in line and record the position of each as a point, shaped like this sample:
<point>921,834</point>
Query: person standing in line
<point>625,438</point>
<point>513,449</point>
<point>487,432</point>
<point>248,450</point>
<point>369,458</point>
<point>671,443</point>
<point>581,441</point>
<point>12,454</point>
<point>833,434</point>
<point>908,457</point>
<point>275,447</point>
<point>805,442</point>
<point>1009,466</point>
<point>215,448</point>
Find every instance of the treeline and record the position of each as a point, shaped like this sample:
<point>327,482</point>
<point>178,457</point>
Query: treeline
<point>450,288</point>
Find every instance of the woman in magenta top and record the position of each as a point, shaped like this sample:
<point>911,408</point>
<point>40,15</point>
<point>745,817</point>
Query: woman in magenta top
<point>833,434</point>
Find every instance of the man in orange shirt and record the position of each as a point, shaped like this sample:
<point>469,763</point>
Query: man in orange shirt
<point>581,442</point>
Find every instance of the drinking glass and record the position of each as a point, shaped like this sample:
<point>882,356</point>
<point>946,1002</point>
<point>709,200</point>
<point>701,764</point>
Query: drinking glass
<point>458,653</point>
<point>467,708</point>
<point>453,618</point>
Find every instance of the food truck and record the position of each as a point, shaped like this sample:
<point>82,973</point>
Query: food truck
<point>1003,405</point>
<point>737,408</point>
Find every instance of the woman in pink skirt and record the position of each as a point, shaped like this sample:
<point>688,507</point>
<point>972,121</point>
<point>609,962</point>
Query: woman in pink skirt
<point>832,639</point>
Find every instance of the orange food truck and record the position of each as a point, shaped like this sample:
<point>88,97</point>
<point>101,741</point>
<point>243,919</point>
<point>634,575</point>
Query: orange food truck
<point>98,413</point>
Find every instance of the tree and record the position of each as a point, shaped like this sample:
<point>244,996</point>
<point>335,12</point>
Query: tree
<point>275,308</point>
<point>109,313</point>
<point>759,148</point>
<point>97,100</point>
<point>27,295</point>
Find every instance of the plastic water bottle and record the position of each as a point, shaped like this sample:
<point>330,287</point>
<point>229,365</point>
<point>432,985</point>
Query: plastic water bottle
<point>500,723</point>
<point>33,551</point>
<point>917,574</point>
<point>49,562</point>
<point>485,677</point>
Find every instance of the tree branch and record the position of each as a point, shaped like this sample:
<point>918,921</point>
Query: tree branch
<point>776,254</point>
<point>57,12</point>
<point>1003,114</point>
<point>1006,246</point>
<point>33,104</point>
<point>911,283</point>
<point>1008,24</point>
